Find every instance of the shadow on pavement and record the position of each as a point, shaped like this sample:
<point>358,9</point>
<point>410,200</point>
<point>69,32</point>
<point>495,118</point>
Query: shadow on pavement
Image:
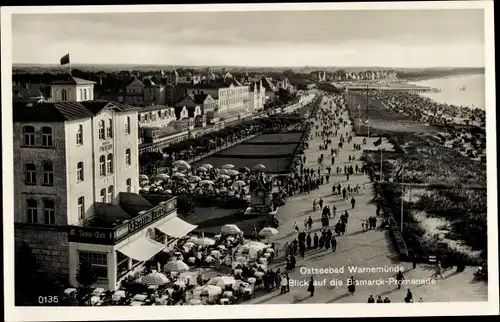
<point>338,298</point>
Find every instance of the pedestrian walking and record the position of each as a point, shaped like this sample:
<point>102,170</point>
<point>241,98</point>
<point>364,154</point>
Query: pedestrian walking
<point>400,278</point>
<point>351,287</point>
<point>438,269</point>
<point>310,288</point>
<point>353,202</point>
<point>334,243</point>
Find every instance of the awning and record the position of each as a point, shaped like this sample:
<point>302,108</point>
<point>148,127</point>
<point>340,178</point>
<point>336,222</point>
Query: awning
<point>176,227</point>
<point>142,249</point>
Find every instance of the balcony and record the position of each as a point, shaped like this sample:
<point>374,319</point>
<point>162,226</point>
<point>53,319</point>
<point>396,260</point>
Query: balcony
<point>111,224</point>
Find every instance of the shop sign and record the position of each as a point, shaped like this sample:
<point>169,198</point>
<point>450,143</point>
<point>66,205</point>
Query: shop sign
<point>145,219</point>
<point>91,235</point>
<point>106,146</point>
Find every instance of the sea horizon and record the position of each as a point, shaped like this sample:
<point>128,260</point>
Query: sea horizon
<point>460,90</point>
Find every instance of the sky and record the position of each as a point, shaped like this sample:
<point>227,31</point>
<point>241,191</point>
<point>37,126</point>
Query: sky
<point>382,38</point>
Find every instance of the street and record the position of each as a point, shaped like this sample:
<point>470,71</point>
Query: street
<point>357,248</point>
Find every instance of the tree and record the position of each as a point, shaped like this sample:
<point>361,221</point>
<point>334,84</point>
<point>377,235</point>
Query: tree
<point>185,205</point>
<point>86,275</point>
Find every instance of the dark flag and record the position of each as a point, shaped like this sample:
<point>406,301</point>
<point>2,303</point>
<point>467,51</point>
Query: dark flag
<point>65,59</point>
<point>378,142</point>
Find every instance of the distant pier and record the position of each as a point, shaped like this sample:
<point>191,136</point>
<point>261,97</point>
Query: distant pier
<point>393,87</point>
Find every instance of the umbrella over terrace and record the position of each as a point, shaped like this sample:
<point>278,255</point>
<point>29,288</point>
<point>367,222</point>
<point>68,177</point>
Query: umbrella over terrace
<point>233,172</point>
<point>194,179</point>
<point>244,170</point>
<point>259,167</point>
<point>161,176</point>
<point>224,177</point>
<point>222,281</point>
<point>207,290</point>
<point>206,182</point>
<point>222,171</point>
<point>202,168</point>
<point>230,230</point>
<point>204,241</point>
<point>268,232</point>
<point>208,166</point>
<point>155,278</point>
<point>178,175</point>
<point>143,177</point>
<point>228,166</point>
<point>239,183</point>
<point>180,163</point>
<point>176,266</point>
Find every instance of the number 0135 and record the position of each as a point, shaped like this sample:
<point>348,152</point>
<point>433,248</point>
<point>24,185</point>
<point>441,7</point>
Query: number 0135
<point>48,300</point>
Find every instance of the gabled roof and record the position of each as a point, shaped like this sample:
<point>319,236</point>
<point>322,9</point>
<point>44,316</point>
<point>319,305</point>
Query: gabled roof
<point>136,82</point>
<point>199,98</point>
<point>268,85</point>
<point>73,81</point>
<point>62,111</point>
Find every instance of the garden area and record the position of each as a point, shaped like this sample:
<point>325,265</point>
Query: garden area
<point>381,119</point>
<point>150,162</point>
<point>276,138</point>
<point>258,150</point>
<point>445,211</point>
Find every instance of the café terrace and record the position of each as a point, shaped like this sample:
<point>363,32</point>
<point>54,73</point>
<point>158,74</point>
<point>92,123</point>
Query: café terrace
<point>119,239</point>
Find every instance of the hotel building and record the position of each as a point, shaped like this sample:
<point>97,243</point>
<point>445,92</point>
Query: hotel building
<point>76,178</point>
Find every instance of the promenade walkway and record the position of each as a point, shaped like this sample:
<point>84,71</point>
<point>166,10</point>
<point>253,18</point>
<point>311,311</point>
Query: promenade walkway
<point>370,249</point>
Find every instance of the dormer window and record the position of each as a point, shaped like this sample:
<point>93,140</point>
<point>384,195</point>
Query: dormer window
<point>84,94</point>
<point>64,95</point>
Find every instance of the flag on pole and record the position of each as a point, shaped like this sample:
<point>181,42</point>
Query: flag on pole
<point>65,60</point>
<point>366,121</point>
<point>378,142</point>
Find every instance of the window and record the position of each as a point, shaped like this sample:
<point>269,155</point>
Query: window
<point>129,185</point>
<point>110,193</point>
<point>128,157</point>
<point>79,135</point>
<point>49,212</point>
<point>47,136</point>
<point>103,195</point>
<point>81,208</point>
<point>127,125</point>
<point>32,211</point>
<point>79,171</point>
<point>101,130</point>
<point>29,135</point>
<point>110,163</point>
<point>81,92</point>
<point>110,128</point>
<point>98,261</point>
<point>48,173</point>
<point>64,95</point>
<point>30,174</point>
<point>84,94</point>
<point>121,263</point>
<point>102,165</point>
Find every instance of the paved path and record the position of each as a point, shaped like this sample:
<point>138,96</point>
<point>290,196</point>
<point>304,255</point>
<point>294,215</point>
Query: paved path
<point>356,248</point>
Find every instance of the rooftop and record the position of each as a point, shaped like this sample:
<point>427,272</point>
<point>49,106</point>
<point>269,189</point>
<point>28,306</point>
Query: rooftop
<point>73,81</point>
<point>62,111</point>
